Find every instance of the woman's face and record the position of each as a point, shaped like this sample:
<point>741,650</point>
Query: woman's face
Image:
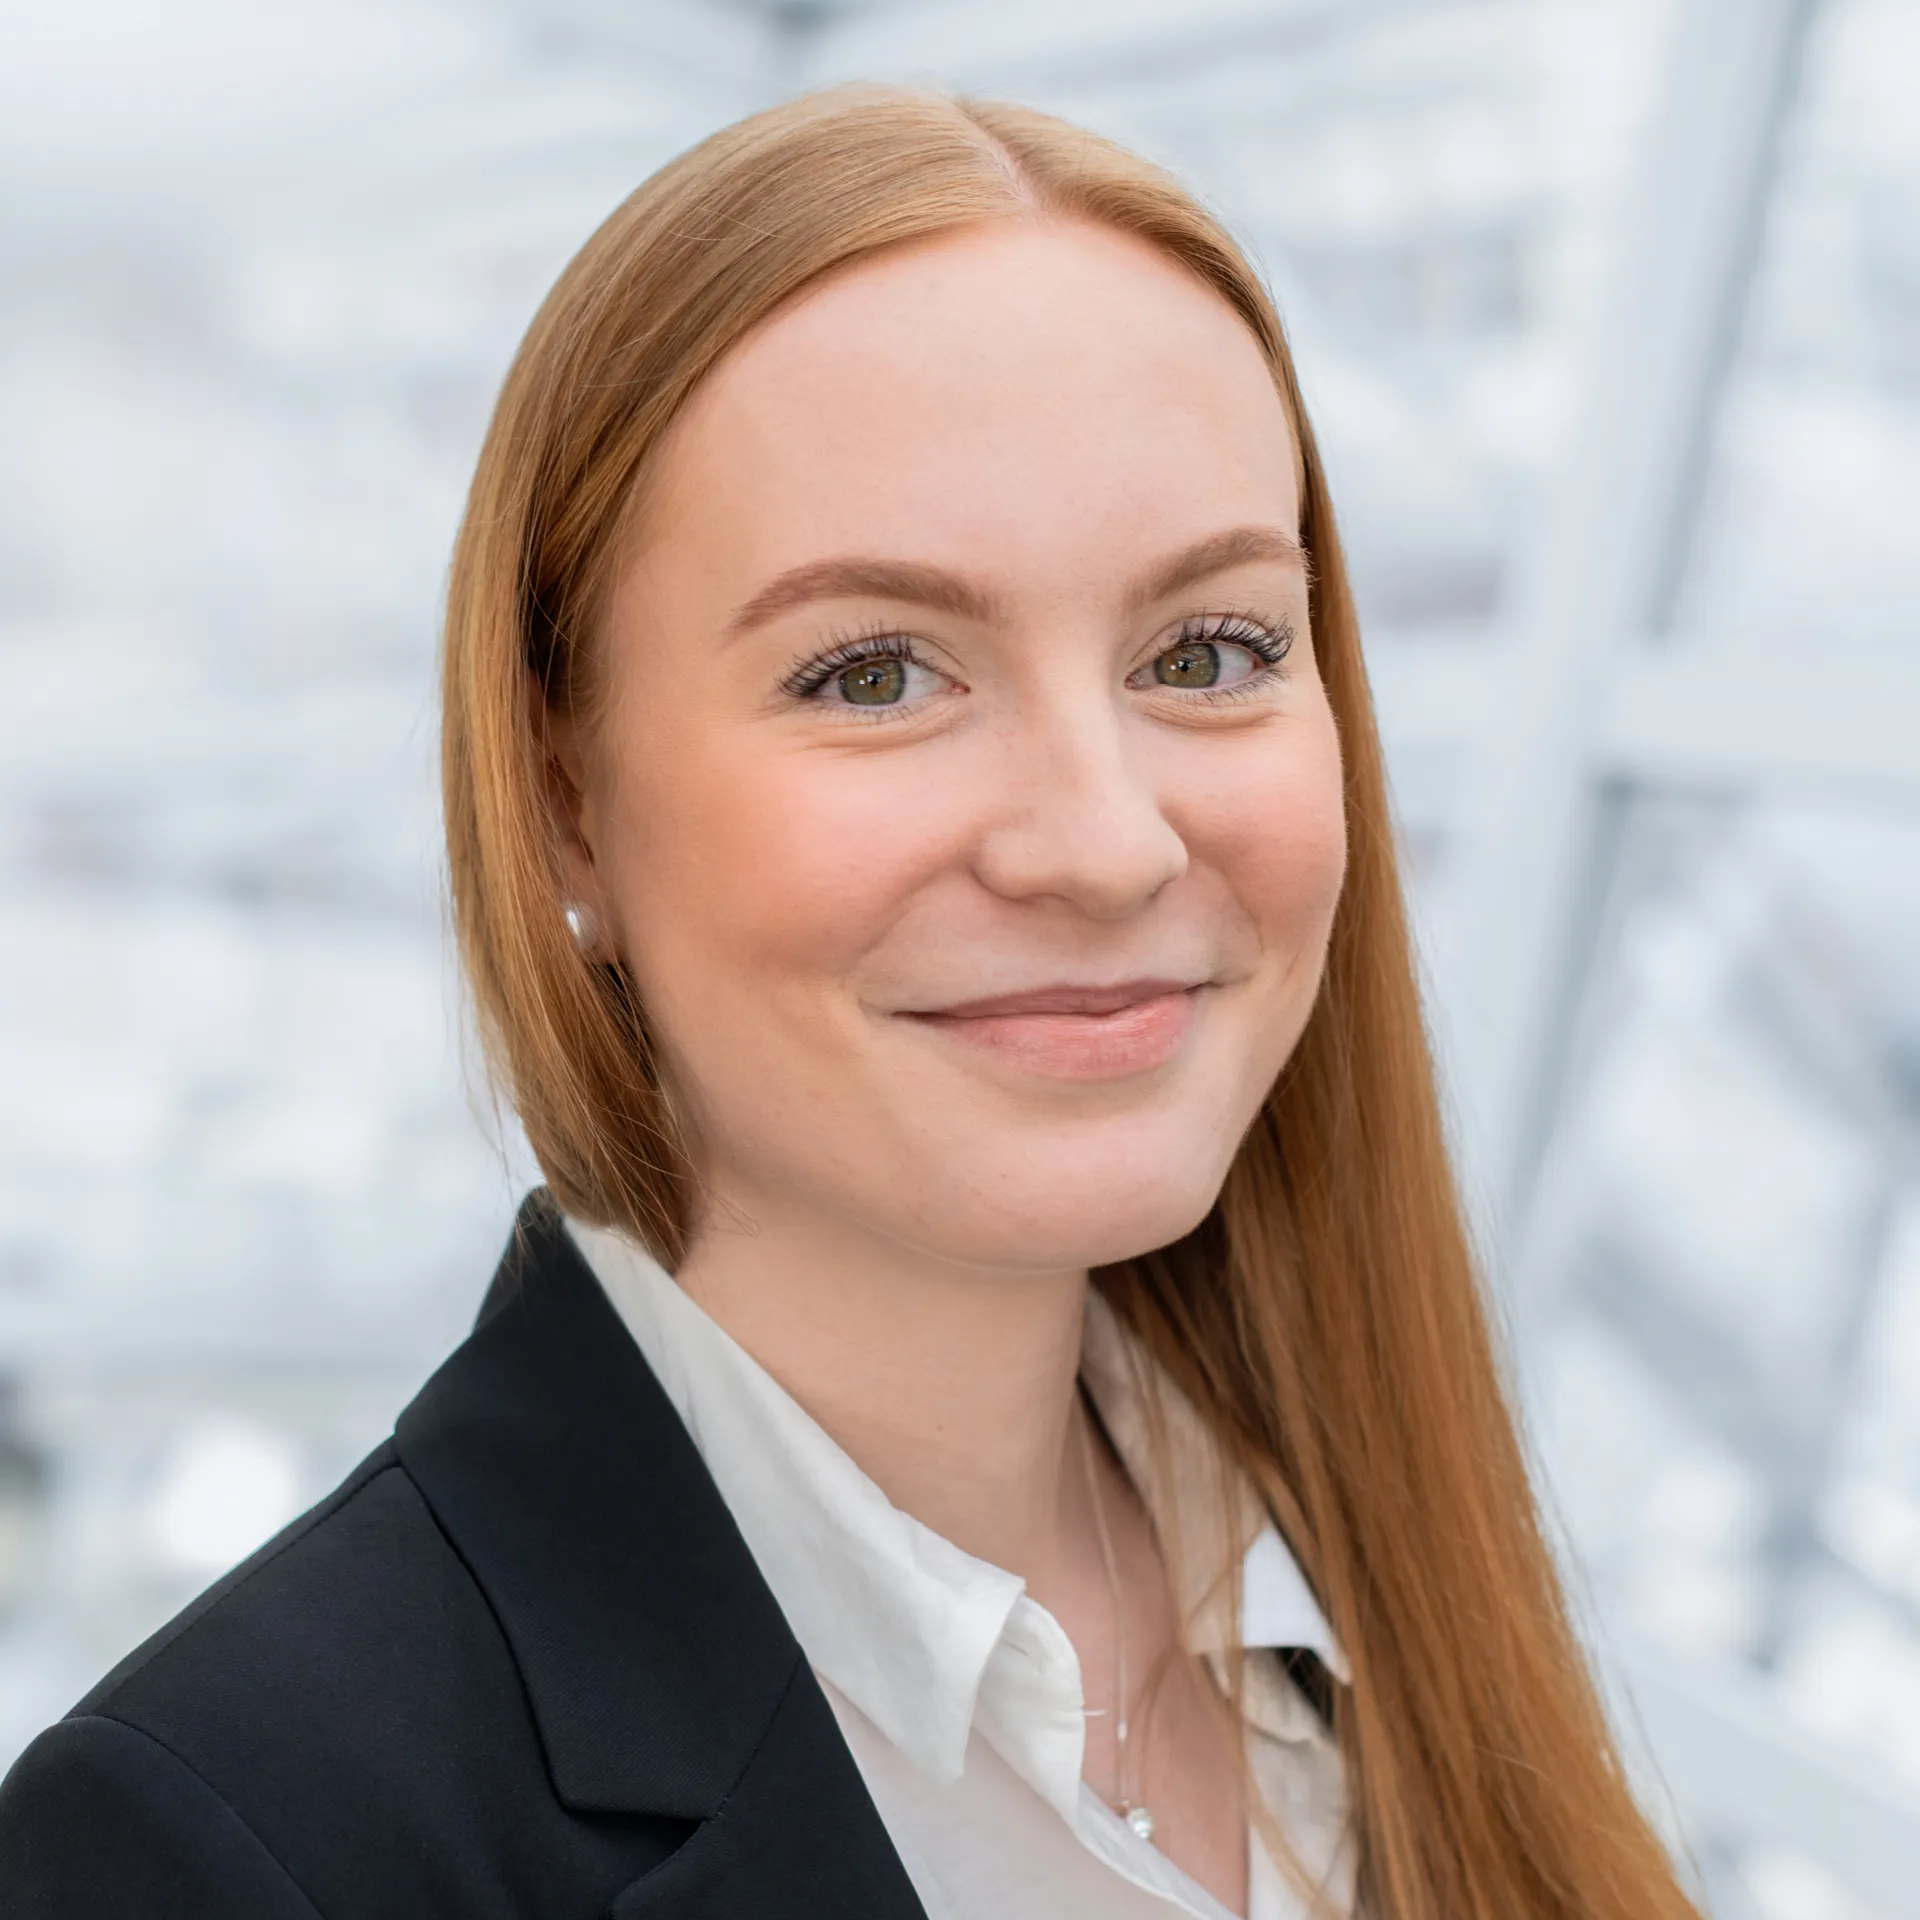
<point>965,801</point>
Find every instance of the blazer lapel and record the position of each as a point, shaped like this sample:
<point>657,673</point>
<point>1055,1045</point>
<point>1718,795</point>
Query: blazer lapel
<point>662,1675</point>
<point>782,1843</point>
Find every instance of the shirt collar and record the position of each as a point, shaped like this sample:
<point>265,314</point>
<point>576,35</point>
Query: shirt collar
<point>895,1616</point>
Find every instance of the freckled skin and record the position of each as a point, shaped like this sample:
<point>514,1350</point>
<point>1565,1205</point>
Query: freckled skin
<point>902,1200</point>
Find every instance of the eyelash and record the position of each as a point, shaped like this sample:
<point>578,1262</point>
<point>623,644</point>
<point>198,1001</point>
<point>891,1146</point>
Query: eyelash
<point>808,675</point>
<point>1270,645</point>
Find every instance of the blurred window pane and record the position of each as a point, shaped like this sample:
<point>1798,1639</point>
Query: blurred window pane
<point>263,270</point>
<point>1727,1253</point>
<point>1808,524</point>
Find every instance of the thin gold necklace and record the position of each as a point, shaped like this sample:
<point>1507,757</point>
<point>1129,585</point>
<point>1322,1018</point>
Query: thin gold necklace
<point>1132,1812</point>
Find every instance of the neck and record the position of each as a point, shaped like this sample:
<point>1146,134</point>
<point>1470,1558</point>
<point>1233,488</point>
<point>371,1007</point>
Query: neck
<point>951,1387</point>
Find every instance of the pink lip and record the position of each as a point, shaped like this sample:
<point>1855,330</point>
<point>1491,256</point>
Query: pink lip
<point>1077,1033</point>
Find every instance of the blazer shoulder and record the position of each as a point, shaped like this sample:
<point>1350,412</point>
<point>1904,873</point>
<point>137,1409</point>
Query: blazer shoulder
<point>178,1852</point>
<point>359,1628</point>
<point>289,1540</point>
<point>348,1694</point>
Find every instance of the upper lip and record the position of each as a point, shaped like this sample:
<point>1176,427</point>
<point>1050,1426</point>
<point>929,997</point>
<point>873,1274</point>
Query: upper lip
<point>1064,998</point>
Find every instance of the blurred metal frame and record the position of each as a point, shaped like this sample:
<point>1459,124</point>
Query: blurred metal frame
<point>1587,696</point>
<point>1008,44</point>
<point>1733,1767</point>
<point>1596,586</point>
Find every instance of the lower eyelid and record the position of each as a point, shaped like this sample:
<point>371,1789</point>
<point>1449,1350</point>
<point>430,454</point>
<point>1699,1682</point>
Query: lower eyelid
<point>1252,684</point>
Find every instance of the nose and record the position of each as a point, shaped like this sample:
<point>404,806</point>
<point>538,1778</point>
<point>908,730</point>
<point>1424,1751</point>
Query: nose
<point>1081,822</point>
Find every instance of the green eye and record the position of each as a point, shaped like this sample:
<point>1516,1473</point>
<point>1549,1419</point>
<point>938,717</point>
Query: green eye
<point>874,683</point>
<point>1193,663</point>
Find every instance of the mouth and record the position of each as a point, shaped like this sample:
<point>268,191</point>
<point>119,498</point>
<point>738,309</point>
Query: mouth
<point>1072,1032</point>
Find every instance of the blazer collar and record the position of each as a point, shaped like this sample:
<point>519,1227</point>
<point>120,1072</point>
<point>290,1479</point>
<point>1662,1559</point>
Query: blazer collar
<point>653,1653</point>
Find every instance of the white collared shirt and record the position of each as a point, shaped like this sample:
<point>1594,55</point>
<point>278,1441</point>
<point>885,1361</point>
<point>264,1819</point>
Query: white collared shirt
<point>958,1694</point>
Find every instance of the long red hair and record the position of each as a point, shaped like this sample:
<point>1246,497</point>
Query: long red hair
<point>1326,1319</point>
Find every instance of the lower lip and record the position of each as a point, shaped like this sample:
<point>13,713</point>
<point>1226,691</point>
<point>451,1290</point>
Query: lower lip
<point>1078,1046</point>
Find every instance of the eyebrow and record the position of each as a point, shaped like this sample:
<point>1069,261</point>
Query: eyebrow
<point>858,578</point>
<point>1218,553</point>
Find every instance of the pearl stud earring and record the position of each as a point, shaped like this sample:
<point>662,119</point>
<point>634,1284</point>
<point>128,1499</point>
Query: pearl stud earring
<point>583,924</point>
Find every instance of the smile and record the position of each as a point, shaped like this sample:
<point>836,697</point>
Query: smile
<point>1074,1032</point>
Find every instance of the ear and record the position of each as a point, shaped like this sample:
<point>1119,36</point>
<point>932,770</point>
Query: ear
<point>573,809</point>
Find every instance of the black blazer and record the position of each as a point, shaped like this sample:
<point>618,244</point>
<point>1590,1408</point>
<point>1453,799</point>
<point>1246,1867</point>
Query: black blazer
<point>520,1664</point>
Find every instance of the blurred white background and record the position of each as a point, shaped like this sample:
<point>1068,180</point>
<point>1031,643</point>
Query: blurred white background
<point>1608,313</point>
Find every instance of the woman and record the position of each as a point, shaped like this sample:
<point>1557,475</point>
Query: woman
<point>992,1415</point>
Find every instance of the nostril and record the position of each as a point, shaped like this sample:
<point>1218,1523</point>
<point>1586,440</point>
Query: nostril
<point>1108,855</point>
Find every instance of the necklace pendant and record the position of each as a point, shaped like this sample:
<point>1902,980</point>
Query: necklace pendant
<point>1141,1821</point>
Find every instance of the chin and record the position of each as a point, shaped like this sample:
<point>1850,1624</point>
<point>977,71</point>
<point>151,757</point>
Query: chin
<point>1055,1213</point>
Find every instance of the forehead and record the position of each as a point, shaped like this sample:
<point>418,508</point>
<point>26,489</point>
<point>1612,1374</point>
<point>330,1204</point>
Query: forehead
<point>1033,393</point>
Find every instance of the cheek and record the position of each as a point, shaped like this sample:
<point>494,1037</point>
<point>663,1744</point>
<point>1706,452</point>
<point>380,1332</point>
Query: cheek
<point>744,873</point>
<point>1275,830</point>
